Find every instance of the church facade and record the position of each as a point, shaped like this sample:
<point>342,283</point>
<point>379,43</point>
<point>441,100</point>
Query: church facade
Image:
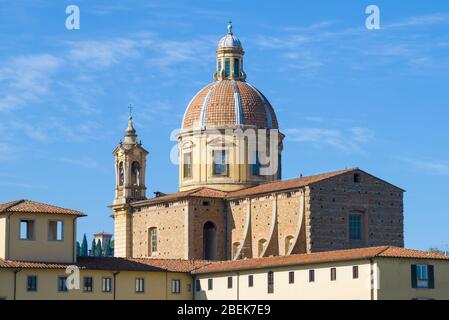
<point>232,203</point>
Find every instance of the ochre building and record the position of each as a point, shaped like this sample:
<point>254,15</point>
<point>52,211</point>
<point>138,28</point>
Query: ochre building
<point>232,203</point>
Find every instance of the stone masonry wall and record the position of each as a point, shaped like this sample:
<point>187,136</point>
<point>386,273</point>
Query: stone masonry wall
<point>380,203</point>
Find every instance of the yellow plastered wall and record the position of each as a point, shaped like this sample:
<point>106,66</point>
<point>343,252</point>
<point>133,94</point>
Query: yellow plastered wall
<point>343,288</point>
<point>395,279</point>
<point>40,248</point>
<point>158,285</point>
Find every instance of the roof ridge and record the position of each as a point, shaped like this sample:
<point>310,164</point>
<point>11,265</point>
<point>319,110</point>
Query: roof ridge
<point>12,204</point>
<point>382,251</point>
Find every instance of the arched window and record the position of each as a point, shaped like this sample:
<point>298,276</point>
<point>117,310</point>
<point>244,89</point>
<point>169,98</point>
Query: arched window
<point>262,243</point>
<point>209,241</point>
<point>219,66</point>
<point>152,240</point>
<point>121,174</point>
<point>135,174</point>
<point>187,164</point>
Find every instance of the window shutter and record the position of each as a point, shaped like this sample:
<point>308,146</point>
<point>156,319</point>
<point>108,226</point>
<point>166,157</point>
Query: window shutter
<point>414,285</point>
<point>431,277</point>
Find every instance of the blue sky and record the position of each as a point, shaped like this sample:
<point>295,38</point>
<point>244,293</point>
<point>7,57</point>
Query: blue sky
<point>345,96</point>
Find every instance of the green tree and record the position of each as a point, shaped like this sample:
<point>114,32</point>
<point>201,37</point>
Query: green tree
<point>84,248</point>
<point>78,249</point>
<point>98,250</point>
<point>110,249</point>
<point>93,248</point>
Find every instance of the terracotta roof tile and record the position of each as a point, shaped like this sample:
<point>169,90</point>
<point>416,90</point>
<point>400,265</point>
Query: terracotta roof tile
<point>29,206</point>
<point>198,192</point>
<point>220,106</point>
<point>111,263</point>
<point>319,257</point>
<point>286,184</point>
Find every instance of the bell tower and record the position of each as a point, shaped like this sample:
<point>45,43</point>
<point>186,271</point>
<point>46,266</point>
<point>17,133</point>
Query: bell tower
<point>130,164</point>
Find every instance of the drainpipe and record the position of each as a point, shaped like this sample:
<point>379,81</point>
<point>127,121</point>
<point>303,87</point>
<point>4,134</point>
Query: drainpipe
<point>371,278</point>
<point>238,285</point>
<point>115,284</point>
<point>16,271</point>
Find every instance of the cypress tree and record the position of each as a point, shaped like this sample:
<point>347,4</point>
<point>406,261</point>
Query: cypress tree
<point>93,248</point>
<point>78,249</point>
<point>98,250</point>
<point>84,247</point>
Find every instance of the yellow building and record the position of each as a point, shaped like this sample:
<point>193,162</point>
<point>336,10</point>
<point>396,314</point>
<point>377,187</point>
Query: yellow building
<point>376,273</point>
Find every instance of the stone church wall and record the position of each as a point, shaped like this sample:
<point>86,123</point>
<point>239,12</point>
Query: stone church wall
<point>331,201</point>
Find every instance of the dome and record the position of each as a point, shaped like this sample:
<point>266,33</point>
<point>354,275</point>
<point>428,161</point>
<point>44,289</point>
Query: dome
<point>229,41</point>
<point>227,103</point>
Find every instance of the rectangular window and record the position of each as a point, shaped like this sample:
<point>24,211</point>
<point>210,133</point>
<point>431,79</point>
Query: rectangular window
<point>356,177</point>
<point>333,274</point>
<point>355,226</point>
<point>236,68</point>
<point>210,284</point>
<point>311,275</point>
<point>187,165</point>
<point>106,284</point>
<point>88,284</point>
<point>218,66</point>
<point>140,285</point>
<point>62,286</point>
<point>250,281</point>
<point>423,276</point>
<point>153,240</point>
<point>55,230</point>
<point>32,283</point>
<point>227,68</point>
<point>176,286</point>
<point>229,282</point>
<point>219,165</point>
<point>291,277</point>
<point>355,272</point>
<point>270,282</point>
<point>197,285</point>
<point>26,230</point>
<point>255,167</point>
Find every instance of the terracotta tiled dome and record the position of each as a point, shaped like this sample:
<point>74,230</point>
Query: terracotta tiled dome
<point>229,103</point>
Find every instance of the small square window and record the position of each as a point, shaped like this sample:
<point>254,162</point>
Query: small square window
<point>26,230</point>
<point>333,274</point>
<point>32,283</point>
<point>229,282</point>
<point>88,284</point>
<point>140,285</point>
<point>106,285</point>
<point>355,272</point>
<point>311,275</point>
<point>291,277</point>
<point>62,284</point>
<point>176,286</point>
<point>210,284</point>
<point>55,230</point>
<point>356,177</point>
<point>250,281</point>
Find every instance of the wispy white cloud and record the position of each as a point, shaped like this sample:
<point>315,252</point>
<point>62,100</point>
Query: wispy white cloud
<point>423,20</point>
<point>428,166</point>
<point>26,79</point>
<point>33,132</point>
<point>349,140</point>
<point>84,162</point>
<point>104,53</point>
